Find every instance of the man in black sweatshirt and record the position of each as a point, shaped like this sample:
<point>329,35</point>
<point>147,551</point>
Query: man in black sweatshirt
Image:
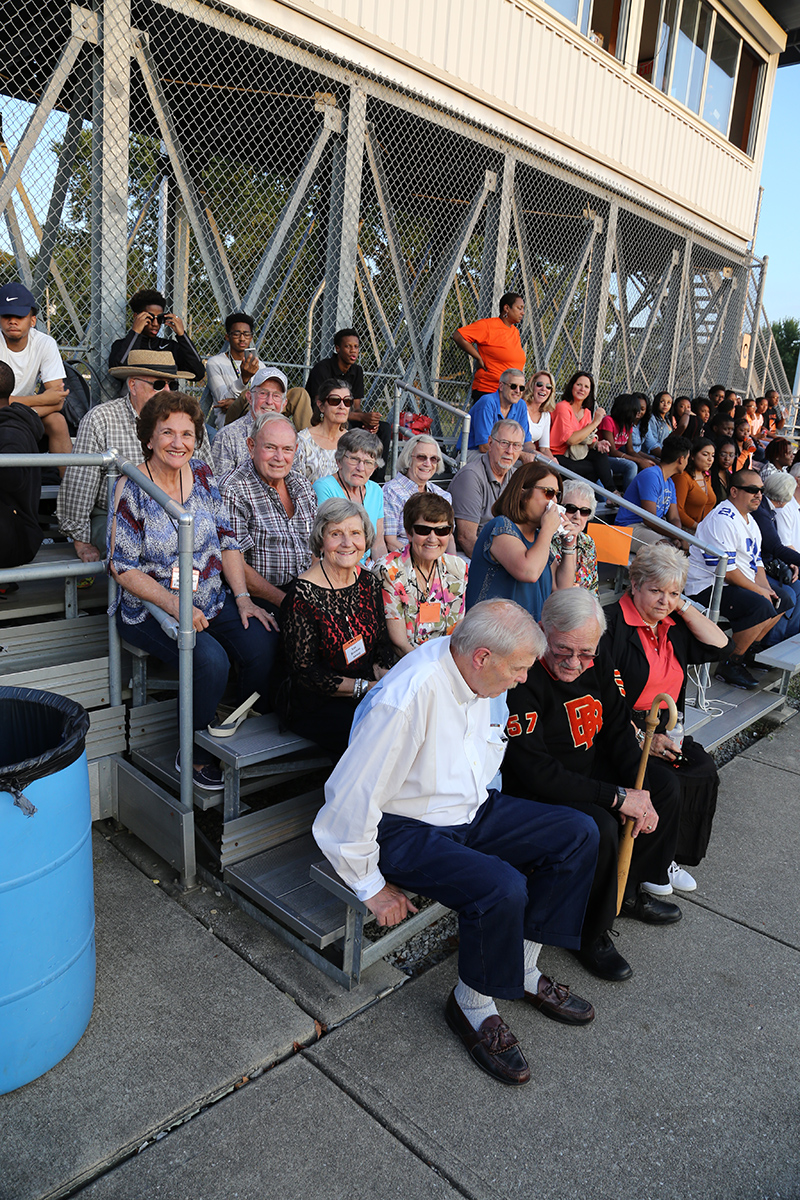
<point>21,430</point>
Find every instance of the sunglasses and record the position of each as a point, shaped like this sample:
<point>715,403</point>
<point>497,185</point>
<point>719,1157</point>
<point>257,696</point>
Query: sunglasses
<point>516,387</point>
<point>752,489</point>
<point>550,492</point>
<point>335,401</point>
<point>574,508</point>
<point>425,530</point>
<point>540,383</point>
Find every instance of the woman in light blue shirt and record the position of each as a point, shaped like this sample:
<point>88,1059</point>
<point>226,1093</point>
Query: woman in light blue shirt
<point>357,456</point>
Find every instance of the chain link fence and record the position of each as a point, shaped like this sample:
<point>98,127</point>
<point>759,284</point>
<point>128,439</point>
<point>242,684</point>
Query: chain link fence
<point>235,169</point>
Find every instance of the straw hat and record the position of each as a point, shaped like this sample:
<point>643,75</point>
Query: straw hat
<point>150,362</point>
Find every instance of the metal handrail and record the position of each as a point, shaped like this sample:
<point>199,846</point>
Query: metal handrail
<point>400,387</point>
<point>116,464</point>
<point>664,526</point>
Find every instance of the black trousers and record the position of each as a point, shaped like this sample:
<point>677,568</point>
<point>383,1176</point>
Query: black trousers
<point>594,467</point>
<point>652,852</point>
<point>15,538</point>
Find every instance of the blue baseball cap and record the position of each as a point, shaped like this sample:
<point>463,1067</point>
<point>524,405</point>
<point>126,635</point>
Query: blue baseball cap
<point>16,301</point>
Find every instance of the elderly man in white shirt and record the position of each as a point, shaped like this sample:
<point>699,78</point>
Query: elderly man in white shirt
<point>410,802</point>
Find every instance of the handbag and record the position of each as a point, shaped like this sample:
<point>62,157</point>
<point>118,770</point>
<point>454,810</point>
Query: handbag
<point>416,422</point>
<point>578,451</point>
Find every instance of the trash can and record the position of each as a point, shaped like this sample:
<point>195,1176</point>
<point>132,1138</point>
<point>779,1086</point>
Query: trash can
<point>47,956</point>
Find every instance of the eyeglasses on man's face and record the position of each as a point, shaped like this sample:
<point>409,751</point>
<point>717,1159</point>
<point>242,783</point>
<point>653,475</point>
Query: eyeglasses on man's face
<point>507,445</point>
<point>515,387</point>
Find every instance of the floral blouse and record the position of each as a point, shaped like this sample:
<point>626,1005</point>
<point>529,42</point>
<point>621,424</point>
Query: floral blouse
<point>585,561</point>
<point>312,460</point>
<point>146,539</point>
<point>402,595</point>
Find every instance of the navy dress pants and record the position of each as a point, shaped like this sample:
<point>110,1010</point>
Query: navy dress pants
<point>519,870</point>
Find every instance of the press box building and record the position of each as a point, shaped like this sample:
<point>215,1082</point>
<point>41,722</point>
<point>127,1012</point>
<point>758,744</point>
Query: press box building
<point>397,165</point>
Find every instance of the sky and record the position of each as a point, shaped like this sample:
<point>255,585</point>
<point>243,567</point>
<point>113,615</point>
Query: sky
<point>780,178</point>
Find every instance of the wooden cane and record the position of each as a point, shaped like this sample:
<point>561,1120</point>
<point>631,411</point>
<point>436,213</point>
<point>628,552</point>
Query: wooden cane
<point>626,839</point>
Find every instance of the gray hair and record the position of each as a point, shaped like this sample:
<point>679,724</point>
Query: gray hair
<point>659,564</point>
<point>507,422</point>
<point>266,418</point>
<point>404,457</point>
<point>511,373</point>
<point>779,487</point>
<point>499,626</point>
<point>361,441</point>
<point>331,512</point>
<point>575,490</point>
<point>794,470</point>
<point>570,608</point>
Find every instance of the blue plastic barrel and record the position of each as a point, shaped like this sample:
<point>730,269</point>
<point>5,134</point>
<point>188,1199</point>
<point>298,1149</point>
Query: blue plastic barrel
<point>47,955</point>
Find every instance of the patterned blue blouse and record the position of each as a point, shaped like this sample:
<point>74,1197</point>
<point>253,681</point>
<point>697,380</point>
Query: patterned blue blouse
<point>488,580</point>
<point>147,540</point>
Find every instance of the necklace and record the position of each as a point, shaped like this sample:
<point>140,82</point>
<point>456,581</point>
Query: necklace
<point>180,478</point>
<point>330,582</point>
<point>433,571</point>
<point>354,493</point>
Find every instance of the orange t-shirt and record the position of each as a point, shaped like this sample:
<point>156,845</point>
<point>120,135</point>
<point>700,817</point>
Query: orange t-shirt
<point>500,348</point>
<point>563,424</point>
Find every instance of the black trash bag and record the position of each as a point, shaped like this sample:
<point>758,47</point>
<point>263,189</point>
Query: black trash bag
<point>79,400</point>
<point>40,733</point>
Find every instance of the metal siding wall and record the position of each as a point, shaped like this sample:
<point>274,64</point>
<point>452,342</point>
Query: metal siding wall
<point>532,63</point>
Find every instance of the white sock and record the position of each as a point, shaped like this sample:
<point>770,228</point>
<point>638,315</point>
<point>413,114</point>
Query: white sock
<point>530,954</point>
<point>474,1005</point>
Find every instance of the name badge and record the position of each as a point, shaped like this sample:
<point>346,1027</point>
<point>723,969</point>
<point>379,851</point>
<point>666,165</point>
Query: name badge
<point>173,582</point>
<point>353,650</point>
<point>430,611</point>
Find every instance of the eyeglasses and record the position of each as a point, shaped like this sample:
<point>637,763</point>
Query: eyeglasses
<point>574,508</point>
<point>158,385</point>
<point>563,654</point>
<point>425,458</point>
<point>334,401</point>
<point>515,387</point>
<point>358,461</point>
<point>426,530</point>
<point>540,383</point>
<point>550,492</point>
<point>752,489</point>
<point>507,445</point>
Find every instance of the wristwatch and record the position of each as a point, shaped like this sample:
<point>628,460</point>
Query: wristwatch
<point>622,795</point>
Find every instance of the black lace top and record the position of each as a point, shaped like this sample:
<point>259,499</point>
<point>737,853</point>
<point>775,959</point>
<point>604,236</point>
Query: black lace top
<point>316,624</point>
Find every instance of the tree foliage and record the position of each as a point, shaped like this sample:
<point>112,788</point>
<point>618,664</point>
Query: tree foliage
<point>787,338</point>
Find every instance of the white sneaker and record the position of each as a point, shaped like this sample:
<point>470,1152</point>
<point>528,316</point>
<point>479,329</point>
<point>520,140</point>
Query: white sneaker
<point>680,878</point>
<point>657,889</point>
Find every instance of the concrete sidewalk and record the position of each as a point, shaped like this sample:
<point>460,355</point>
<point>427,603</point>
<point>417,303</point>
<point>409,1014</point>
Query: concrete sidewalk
<point>685,1086</point>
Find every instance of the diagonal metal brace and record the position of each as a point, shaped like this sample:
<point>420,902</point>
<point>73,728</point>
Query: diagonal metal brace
<point>332,123</point>
<point>209,242</point>
<point>392,237</point>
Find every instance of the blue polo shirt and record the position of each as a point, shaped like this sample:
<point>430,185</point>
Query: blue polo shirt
<point>650,485</point>
<point>486,411</point>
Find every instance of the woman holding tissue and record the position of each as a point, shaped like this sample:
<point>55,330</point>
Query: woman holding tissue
<point>513,556</point>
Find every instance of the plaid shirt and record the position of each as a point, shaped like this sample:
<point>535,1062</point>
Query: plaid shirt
<point>395,494</point>
<point>274,545</point>
<point>112,424</point>
<point>229,451</point>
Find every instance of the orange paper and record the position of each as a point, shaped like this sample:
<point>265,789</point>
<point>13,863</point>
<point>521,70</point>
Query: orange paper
<point>613,542</point>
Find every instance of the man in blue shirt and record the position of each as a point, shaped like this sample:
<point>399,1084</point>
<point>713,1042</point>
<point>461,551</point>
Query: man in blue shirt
<point>506,403</point>
<point>654,491</point>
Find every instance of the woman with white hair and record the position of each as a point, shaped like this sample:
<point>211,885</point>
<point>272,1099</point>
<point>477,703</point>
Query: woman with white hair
<point>781,560</point>
<point>418,461</point>
<point>579,502</point>
<point>787,518</point>
<point>653,633</point>
<point>357,455</point>
<point>334,638</point>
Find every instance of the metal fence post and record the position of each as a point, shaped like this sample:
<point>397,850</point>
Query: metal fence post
<point>398,400</point>
<point>111,85</point>
<point>114,641</point>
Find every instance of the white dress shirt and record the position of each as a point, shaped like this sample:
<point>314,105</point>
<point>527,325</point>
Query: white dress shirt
<point>423,745</point>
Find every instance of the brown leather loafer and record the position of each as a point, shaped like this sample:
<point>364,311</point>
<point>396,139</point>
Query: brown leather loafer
<point>493,1047</point>
<point>556,1001</point>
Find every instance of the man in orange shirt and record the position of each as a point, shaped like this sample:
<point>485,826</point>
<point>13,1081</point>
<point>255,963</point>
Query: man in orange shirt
<point>494,343</point>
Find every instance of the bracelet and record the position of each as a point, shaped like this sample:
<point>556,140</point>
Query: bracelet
<point>686,604</point>
<point>359,688</point>
<point>240,594</point>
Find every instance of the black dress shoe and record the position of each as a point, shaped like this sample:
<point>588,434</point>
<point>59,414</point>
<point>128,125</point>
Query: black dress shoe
<point>651,910</point>
<point>493,1047</point>
<point>604,960</point>
<point>736,674</point>
<point>557,1002</point>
